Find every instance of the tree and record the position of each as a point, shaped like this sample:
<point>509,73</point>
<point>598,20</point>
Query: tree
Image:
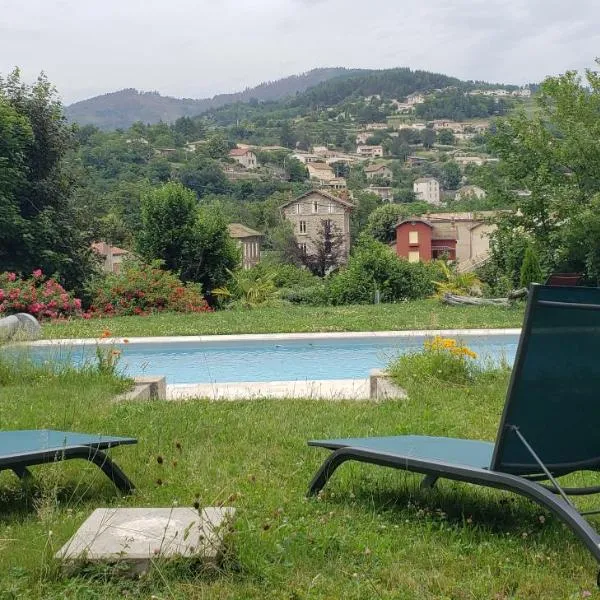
<point>287,137</point>
<point>399,148</point>
<point>328,249</point>
<point>41,225</point>
<point>446,137</point>
<point>204,176</point>
<point>340,168</point>
<point>295,170</point>
<point>382,222</point>
<point>428,138</point>
<point>531,271</point>
<point>192,242</point>
<point>451,175</point>
<point>555,155</point>
<point>365,203</point>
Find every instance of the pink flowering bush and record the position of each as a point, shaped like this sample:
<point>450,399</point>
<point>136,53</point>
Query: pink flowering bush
<point>142,289</point>
<point>42,297</point>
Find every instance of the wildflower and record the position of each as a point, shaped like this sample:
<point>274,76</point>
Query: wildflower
<point>37,274</point>
<point>126,341</point>
<point>11,276</point>
<point>105,333</point>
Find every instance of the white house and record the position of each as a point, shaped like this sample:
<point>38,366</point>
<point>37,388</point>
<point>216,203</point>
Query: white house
<point>370,151</point>
<point>428,190</point>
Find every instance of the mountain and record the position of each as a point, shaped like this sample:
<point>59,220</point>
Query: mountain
<point>123,108</point>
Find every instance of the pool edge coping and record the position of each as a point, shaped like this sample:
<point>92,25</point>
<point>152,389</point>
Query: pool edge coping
<point>265,337</point>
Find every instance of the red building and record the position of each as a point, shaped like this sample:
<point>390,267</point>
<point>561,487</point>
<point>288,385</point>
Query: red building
<point>421,240</point>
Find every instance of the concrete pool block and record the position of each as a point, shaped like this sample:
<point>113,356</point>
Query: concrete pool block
<point>326,389</point>
<point>382,387</point>
<point>150,387</point>
<point>135,537</point>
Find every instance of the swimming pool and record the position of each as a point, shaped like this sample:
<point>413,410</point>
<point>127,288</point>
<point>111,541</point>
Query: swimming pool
<point>278,357</point>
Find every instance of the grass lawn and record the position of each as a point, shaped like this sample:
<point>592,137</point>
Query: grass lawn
<point>373,534</point>
<point>418,314</point>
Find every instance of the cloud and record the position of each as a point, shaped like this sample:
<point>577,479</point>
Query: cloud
<point>196,48</point>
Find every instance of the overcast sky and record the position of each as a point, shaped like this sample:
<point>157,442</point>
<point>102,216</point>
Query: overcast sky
<point>198,48</point>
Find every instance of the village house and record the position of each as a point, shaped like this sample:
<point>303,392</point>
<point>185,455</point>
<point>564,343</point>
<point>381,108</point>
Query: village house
<point>469,191</point>
<point>378,171</point>
<point>370,151</point>
<point>384,192</point>
<point>337,183</point>
<point>416,161</point>
<point>402,107</point>
<point>244,157</point>
<point>306,158</point>
<point>112,257</point>
<point>362,137</point>
<point>469,160</point>
<point>321,172</point>
<point>249,242</point>
<point>461,237</point>
<point>376,126</point>
<point>416,98</point>
<point>307,214</point>
<point>427,189</point>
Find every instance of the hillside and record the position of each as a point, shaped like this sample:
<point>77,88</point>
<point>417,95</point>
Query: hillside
<point>120,109</point>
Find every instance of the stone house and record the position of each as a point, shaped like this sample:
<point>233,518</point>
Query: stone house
<point>307,213</point>
<point>370,151</point>
<point>320,172</point>
<point>469,191</point>
<point>244,157</point>
<point>112,257</point>
<point>249,242</point>
<point>378,171</point>
<point>362,137</point>
<point>428,190</point>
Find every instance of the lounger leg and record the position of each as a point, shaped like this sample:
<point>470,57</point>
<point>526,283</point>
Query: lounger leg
<point>110,469</point>
<point>429,482</point>
<point>22,472</point>
<point>331,463</point>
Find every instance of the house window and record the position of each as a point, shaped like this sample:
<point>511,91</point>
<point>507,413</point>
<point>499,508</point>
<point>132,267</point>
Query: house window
<point>331,207</point>
<point>302,226</point>
<point>315,206</point>
<point>298,208</point>
<point>414,256</point>
<point>413,237</point>
<point>302,248</point>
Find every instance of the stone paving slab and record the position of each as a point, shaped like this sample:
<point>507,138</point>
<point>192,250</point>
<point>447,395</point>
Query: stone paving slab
<point>326,389</point>
<point>136,536</point>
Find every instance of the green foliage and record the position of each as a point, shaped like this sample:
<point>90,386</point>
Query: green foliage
<point>41,226</point>
<point>191,240</point>
<point>374,267</point>
<point>442,359</point>
<point>381,223</point>
<point>531,271</point>
<point>456,105</point>
<point>553,153</point>
<point>247,289</point>
<point>452,282</point>
<point>451,175</point>
<point>142,289</point>
<point>446,137</point>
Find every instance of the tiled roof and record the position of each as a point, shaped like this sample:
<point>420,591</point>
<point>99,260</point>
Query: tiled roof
<point>237,230</point>
<point>238,152</point>
<point>323,194</point>
<point>373,168</point>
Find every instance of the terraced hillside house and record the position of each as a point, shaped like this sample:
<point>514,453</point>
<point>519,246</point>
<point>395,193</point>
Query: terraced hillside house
<point>249,242</point>
<point>244,157</point>
<point>378,172</point>
<point>309,212</point>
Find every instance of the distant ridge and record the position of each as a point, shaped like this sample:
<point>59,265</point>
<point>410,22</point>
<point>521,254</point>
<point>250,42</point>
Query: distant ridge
<point>123,108</point>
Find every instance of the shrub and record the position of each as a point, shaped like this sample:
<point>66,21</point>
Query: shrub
<point>248,289</point>
<point>42,297</point>
<point>452,282</point>
<point>531,272</point>
<point>374,266</point>
<point>443,359</point>
<point>140,289</point>
<point>315,295</point>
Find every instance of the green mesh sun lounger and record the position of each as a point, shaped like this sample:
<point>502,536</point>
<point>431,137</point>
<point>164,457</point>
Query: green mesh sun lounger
<point>550,426</point>
<point>22,449</point>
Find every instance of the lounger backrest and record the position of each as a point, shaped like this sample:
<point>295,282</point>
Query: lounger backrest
<point>554,393</point>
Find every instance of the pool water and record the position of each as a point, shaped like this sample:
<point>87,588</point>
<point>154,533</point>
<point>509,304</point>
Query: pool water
<point>271,360</point>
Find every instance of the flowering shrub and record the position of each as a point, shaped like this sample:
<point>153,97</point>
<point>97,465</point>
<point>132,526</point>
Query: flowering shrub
<point>42,297</point>
<point>140,289</point>
<point>442,358</point>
